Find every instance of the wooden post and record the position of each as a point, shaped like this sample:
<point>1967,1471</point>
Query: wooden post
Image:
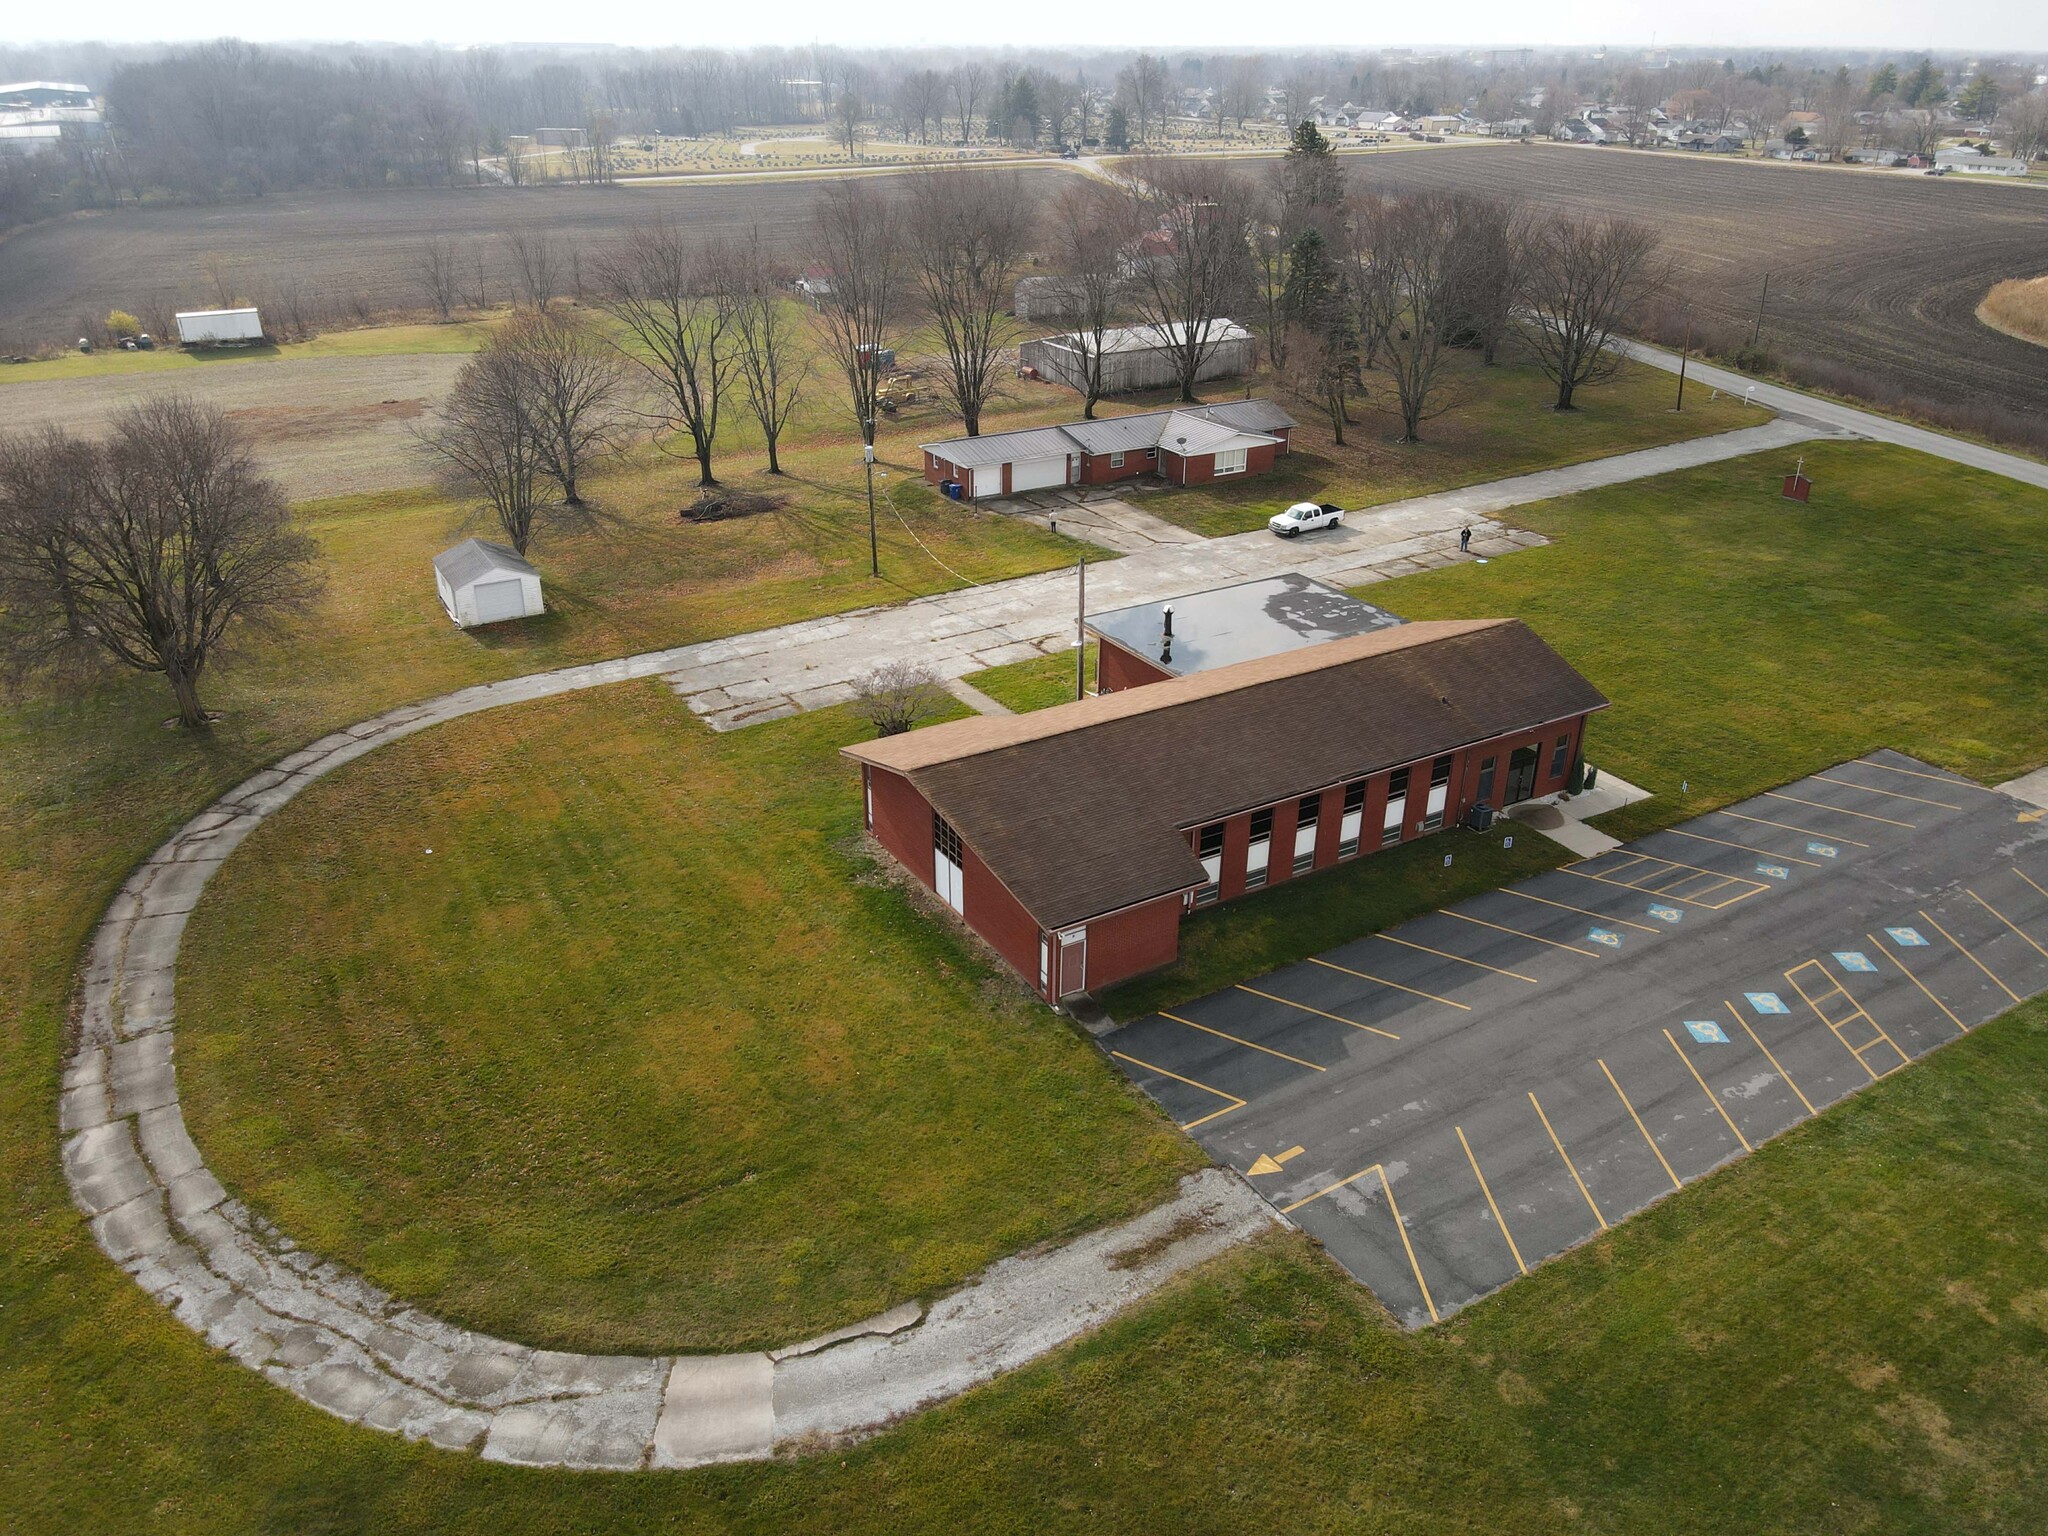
<point>1683,352</point>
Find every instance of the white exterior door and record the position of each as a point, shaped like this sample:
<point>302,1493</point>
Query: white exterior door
<point>948,881</point>
<point>496,600</point>
<point>1037,474</point>
<point>1073,961</point>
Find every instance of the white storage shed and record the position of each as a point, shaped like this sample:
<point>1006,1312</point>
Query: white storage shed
<point>219,327</point>
<point>486,583</point>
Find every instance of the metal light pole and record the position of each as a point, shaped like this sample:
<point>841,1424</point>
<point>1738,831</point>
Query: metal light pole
<point>868,458</point>
<point>1081,636</point>
<point>1683,352</point>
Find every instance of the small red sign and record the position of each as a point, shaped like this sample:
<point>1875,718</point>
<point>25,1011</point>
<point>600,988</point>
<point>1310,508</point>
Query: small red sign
<point>1797,487</point>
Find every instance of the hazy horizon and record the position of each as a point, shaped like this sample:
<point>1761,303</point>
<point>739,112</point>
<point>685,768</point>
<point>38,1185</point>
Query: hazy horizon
<point>1204,25</point>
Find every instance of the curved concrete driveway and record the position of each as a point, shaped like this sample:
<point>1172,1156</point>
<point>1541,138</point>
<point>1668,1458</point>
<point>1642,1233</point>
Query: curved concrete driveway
<point>347,1347</point>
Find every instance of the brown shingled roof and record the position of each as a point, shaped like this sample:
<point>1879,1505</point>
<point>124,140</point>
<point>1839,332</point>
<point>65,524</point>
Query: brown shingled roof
<point>1081,809</point>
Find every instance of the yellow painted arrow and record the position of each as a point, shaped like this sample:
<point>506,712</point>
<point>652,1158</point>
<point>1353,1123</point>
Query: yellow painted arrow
<point>2032,815</point>
<point>1270,1164</point>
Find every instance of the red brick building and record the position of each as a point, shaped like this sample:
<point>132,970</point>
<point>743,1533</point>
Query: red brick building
<point>1075,839</point>
<point>1189,446</point>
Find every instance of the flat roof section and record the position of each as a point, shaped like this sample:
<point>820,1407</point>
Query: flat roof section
<point>1243,622</point>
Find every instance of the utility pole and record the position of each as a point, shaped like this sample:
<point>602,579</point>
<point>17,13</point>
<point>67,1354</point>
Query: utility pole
<point>1757,331</point>
<point>1081,634</point>
<point>1683,352</point>
<point>874,549</point>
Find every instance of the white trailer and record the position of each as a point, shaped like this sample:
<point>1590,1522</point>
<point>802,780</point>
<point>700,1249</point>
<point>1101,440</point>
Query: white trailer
<point>219,327</point>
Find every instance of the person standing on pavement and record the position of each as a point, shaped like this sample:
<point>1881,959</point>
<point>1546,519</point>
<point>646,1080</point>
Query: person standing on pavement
<point>1464,541</point>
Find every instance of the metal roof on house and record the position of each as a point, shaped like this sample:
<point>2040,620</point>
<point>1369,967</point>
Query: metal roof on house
<point>473,558</point>
<point>1083,808</point>
<point>1112,434</point>
<point>1241,622</point>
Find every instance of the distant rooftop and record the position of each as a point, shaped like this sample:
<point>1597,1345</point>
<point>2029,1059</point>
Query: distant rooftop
<point>1244,622</point>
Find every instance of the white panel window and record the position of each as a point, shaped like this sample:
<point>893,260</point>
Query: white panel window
<point>1230,461</point>
<point>1434,815</point>
<point>1397,806</point>
<point>948,877</point>
<point>1116,461</point>
<point>1347,840</point>
<point>1044,962</point>
<point>868,784</point>
<point>1260,851</point>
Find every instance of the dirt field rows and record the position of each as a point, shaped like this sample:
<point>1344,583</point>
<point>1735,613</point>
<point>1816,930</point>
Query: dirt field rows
<point>345,246</point>
<point>326,426</point>
<point>1880,272</point>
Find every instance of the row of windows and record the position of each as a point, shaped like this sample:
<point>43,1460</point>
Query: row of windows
<point>1308,816</point>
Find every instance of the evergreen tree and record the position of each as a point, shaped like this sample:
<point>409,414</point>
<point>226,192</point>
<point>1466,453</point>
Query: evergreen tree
<point>1979,98</point>
<point>1885,82</point>
<point>1116,130</point>
<point>1923,86</point>
<point>1312,183</point>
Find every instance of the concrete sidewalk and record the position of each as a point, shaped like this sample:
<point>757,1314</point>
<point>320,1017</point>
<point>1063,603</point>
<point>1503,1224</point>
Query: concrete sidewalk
<point>1834,416</point>
<point>746,679</point>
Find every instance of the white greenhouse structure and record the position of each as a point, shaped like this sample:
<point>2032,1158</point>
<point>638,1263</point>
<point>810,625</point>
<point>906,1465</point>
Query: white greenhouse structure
<point>486,583</point>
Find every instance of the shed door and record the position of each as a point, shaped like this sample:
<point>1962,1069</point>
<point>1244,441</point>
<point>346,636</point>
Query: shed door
<point>1037,474</point>
<point>497,600</point>
<point>1073,962</point>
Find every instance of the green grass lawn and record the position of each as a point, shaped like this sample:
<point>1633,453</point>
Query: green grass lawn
<point>642,1056</point>
<point>1499,423</point>
<point>369,341</point>
<point>1843,1333</point>
<point>1038,683</point>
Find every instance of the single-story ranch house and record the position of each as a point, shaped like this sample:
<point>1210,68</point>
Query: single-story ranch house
<point>1188,446</point>
<point>1074,839</point>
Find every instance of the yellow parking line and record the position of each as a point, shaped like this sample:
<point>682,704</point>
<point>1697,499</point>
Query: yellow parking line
<point>1518,976</point>
<point>1501,928</point>
<point>1770,1058</point>
<point>1640,1126</point>
<point>1188,1125</point>
<point>1895,960</point>
<point>1967,955</point>
<point>1565,906</point>
<point>2028,878</point>
<point>1568,1164</point>
<point>1835,1026</point>
<point>1624,885</point>
<point>2015,927</point>
<point>1766,852</point>
<point>1399,1226</point>
<point>1304,1007</point>
<point>1822,805</point>
<point>1871,789</point>
<point>1491,1205</point>
<point>1733,1129</point>
<point>1786,826</point>
<point>1381,980</point>
<point>1250,1045</point>
<point>1939,778</point>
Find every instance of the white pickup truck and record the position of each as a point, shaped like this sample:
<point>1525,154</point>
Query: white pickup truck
<point>1303,516</point>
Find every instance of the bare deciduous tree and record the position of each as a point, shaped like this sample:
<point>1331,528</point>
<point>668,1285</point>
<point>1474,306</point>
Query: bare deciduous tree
<point>150,550</point>
<point>861,254</point>
<point>1194,263</point>
<point>440,276</point>
<point>967,232</point>
<point>492,438</point>
<point>665,292</point>
<point>774,363</point>
<point>1493,236</point>
<point>967,81</point>
<point>1091,229</point>
<point>1405,270</point>
<point>1585,278</point>
<point>898,695</point>
<point>575,381</point>
<point>536,267</point>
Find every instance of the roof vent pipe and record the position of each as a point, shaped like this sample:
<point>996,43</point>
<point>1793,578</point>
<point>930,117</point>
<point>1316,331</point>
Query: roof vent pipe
<point>1169,621</point>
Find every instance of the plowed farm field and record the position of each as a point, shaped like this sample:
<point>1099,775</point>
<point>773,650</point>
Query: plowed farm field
<point>1879,271</point>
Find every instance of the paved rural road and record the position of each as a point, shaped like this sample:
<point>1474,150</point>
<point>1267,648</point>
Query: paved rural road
<point>1847,418</point>
<point>346,1347</point>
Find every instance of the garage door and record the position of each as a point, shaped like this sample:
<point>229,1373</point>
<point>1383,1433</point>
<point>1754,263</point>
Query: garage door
<point>497,600</point>
<point>1036,474</point>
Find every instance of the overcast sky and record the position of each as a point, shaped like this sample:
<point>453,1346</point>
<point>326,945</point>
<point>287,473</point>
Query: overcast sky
<point>1186,24</point>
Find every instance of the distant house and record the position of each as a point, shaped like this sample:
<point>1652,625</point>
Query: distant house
<point>485,583</point>
<point>1968,162</point>
<point>1140,356</point>
<point>1188,446</point>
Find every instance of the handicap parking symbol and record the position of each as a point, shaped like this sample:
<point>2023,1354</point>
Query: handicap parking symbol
<point>1707,1032</point>
<point>1775,871</point>
<point>1665,914</point>
<point>1907,938</point>
<point>1766,1002</point>
<point>1605,936</point>
<point>1825,850</point>
<point>1855,960</point>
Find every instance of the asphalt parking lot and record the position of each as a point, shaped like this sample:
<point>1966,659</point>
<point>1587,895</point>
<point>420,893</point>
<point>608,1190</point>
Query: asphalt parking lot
<point>1449,1102</point>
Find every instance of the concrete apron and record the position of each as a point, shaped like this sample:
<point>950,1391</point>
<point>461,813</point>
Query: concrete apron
<point>343,1345</point>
